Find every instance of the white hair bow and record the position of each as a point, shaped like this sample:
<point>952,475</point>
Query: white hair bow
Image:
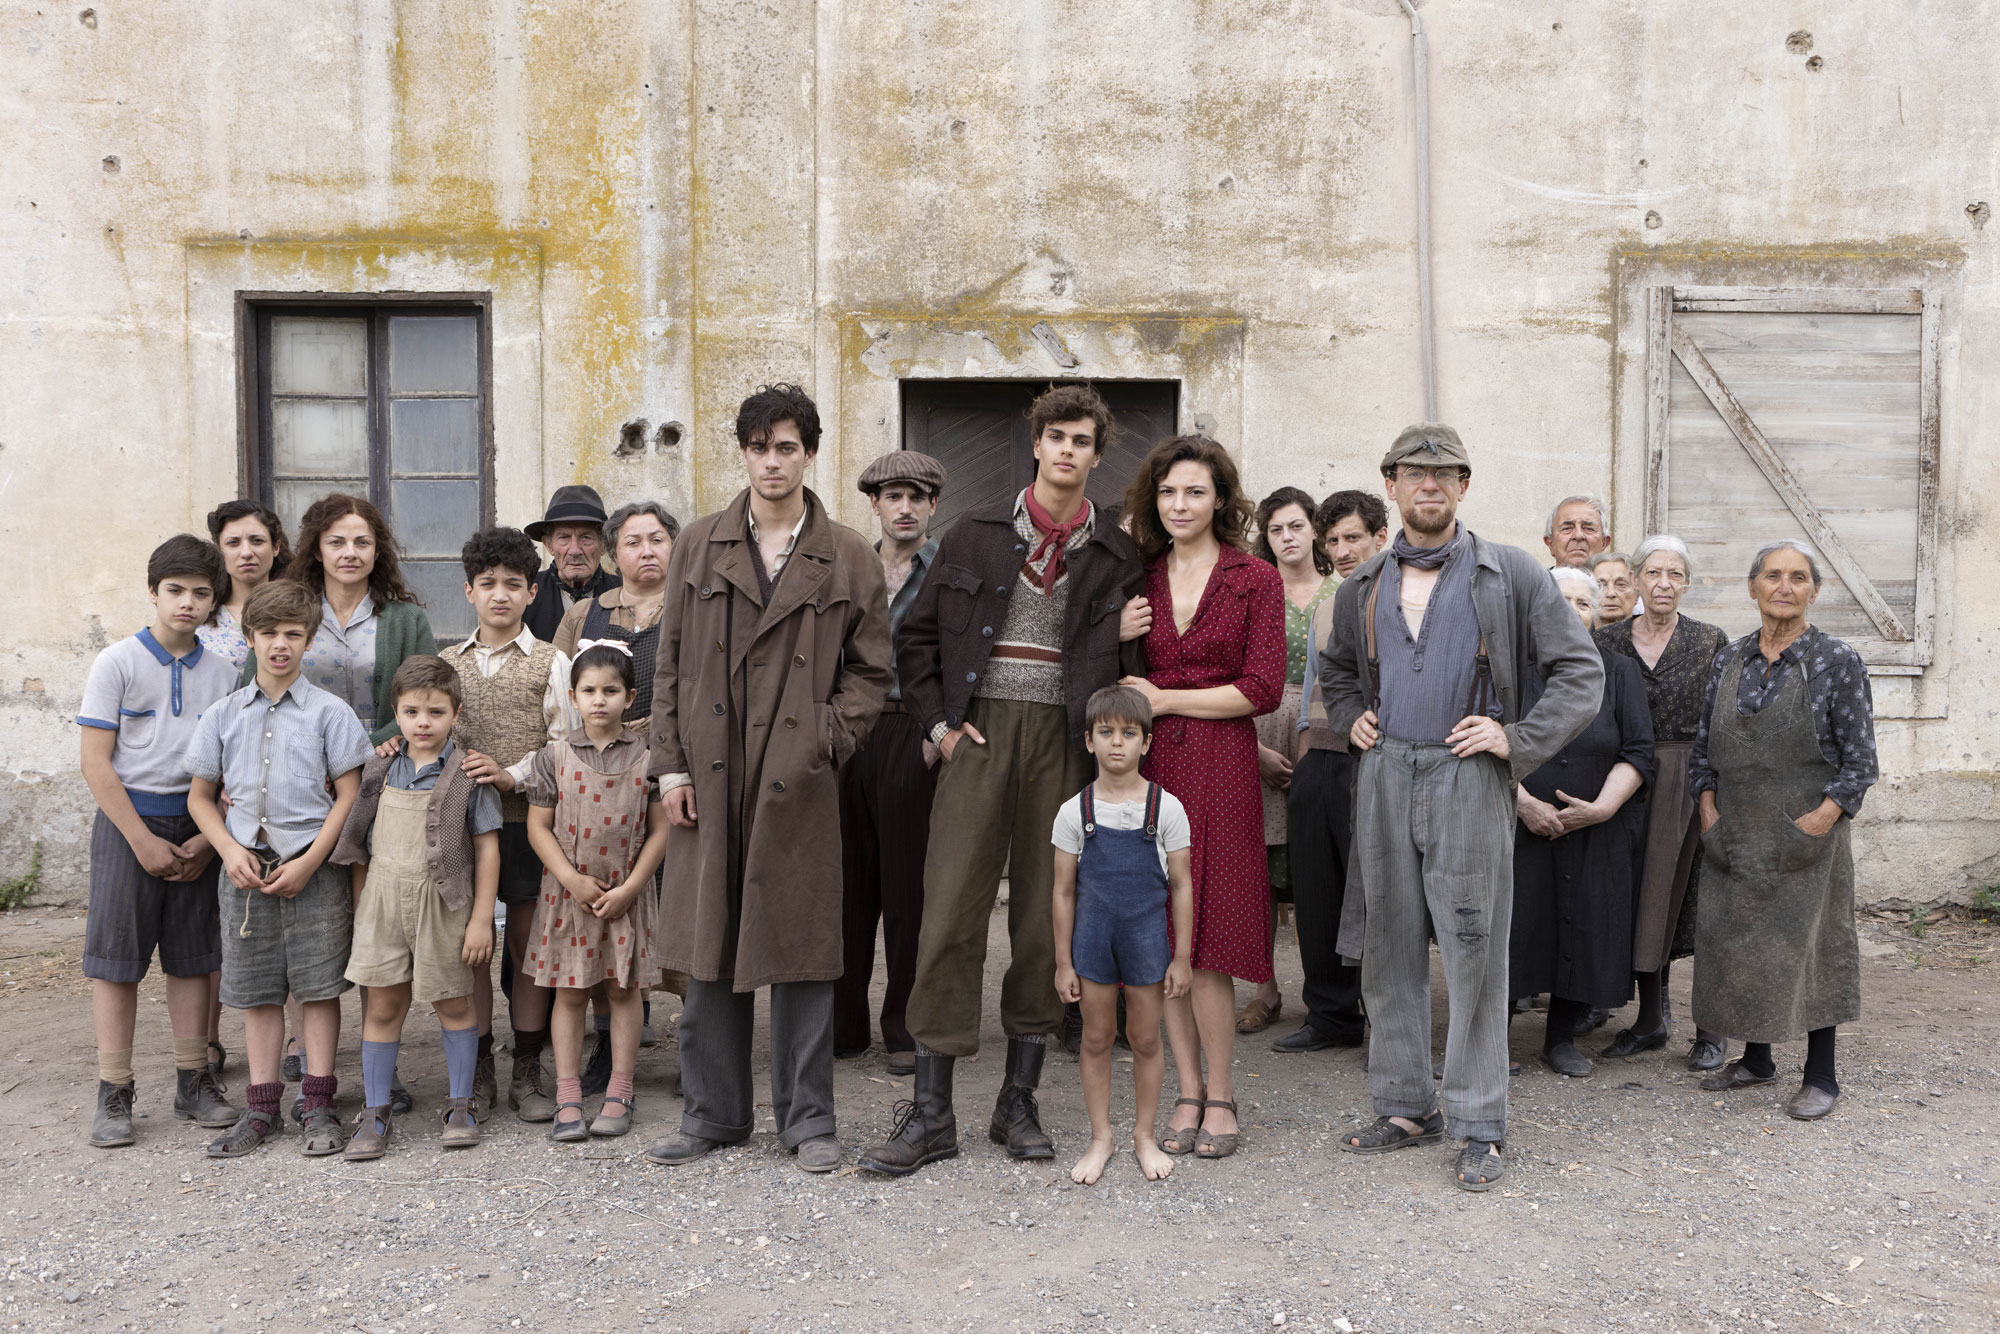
<point>618,644</point>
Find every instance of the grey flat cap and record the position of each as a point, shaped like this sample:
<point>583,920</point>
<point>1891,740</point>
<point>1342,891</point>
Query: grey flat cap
<point>902,465</point>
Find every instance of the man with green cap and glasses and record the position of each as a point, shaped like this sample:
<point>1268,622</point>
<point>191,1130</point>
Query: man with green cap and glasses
<point>1456,669</point>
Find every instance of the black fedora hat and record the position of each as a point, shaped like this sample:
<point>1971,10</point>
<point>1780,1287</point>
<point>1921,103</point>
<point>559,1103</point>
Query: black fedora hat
<point>570,504</point>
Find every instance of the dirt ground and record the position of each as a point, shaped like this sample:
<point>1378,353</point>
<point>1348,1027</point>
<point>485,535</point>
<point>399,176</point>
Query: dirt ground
<point>1632,1199</point>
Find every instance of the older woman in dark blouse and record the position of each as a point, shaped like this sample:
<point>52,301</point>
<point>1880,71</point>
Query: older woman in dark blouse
<point>1674,654</point>
<point>1783,757</point>
<point>1575,854</point>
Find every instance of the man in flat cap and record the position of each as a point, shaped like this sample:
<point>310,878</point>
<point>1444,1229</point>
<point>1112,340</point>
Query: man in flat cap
<point>572,531</point>
<point>1456,669</point>
<point>885,788</point>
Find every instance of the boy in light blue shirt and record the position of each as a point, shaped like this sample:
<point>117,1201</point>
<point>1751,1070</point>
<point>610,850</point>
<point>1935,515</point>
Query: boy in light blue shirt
<point>152,872</point>
<point>289,755</point>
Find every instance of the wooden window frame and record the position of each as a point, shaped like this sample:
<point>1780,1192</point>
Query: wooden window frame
<point>1886,653</point>
<point>253,310</point>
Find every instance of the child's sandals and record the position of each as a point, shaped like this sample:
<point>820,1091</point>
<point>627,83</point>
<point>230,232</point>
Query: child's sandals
<point>1181,1140</point>
<point>1207,1145</point>
<point>608,1126</point>
<point>371,1137</point>
<point>569,1132</point>
<point>218,1058</point>
<point>322,1133</point>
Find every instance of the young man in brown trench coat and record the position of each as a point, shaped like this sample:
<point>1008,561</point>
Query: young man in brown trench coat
<point>773,664</point>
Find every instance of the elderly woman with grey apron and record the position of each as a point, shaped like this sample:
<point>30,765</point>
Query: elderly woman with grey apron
<point>1784,756</point>
<point>1674,654</point>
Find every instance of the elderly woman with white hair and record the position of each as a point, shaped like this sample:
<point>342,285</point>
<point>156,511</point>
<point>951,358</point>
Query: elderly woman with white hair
<point>1577,851</point>
<point>1674,653</point>
<point>1784,755</point>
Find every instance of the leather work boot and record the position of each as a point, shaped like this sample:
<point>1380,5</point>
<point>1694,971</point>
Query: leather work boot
<point>111,1128</point>
<point>485,1088</point>
<point>198,1098</point>
<point>926,1129</point>
<point>1017,1121</point>
<point>528,1090</point>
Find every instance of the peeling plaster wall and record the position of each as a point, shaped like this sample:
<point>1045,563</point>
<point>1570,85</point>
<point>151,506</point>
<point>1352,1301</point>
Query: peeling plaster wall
<point>673,202</point>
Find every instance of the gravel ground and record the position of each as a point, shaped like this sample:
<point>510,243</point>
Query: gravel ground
<point>1632,1199</point>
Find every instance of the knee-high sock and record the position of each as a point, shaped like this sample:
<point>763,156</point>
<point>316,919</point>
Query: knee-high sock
<point>378,1071</point>
<point>461,1058</point>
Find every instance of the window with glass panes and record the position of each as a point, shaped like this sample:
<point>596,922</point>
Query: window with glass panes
<point>387,402</point>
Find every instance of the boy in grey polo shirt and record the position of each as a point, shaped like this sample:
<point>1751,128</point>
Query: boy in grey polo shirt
<point>289,754</point>
<point>152,872</point>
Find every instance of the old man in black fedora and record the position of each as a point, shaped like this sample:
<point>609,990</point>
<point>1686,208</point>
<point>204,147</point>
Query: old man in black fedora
<point>572,531</point>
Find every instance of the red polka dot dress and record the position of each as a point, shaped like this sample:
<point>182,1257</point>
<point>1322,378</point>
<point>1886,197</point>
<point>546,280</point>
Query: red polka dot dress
<point>1237,637</point>
<point>600,799</point>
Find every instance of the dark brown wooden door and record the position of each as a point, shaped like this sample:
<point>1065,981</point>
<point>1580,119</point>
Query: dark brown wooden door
<point>979,430</point>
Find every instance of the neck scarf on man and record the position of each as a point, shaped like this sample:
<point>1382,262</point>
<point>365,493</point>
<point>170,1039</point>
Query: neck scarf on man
<point>1056,535</point>
<point>1424,558</point>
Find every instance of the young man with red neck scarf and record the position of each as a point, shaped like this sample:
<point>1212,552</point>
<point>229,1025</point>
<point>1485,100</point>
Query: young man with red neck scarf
<point>1034,603</point>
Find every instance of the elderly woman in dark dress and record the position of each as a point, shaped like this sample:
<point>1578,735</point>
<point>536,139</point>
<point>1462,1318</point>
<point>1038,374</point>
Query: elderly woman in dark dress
<point>1674,654</point>
<point>1576,852</point>
<point>1785,753</point>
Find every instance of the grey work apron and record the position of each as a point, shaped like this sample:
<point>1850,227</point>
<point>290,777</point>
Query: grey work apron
<point>1775,948</point>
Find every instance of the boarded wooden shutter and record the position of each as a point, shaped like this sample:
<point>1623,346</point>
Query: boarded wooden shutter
<point>1805,414</point>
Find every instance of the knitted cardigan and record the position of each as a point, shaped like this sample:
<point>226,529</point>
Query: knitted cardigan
<point>447,843</point>
<point>402,630</point>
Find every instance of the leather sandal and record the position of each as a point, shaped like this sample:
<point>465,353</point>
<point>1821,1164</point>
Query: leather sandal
<point>1257,1016</point>
<point>218,1057</point>
<point>1182,1140</point>
<point>608,1126</point>
<point>569,1132</point>
<point>1208,1145</point>
<point>322,1133</point>
<point>461,1124</point>
<point>371,1137</point>
<point>1480,1166</point>
<point>1385,1135</point>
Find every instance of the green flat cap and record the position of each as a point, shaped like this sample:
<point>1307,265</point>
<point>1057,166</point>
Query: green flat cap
<point>1428,445</point>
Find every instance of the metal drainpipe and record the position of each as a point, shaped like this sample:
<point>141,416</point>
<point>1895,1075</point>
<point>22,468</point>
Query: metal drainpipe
<point>1419,58</point>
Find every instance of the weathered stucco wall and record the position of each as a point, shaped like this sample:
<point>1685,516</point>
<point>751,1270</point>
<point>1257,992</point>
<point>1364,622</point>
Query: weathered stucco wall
<point>673,203</point>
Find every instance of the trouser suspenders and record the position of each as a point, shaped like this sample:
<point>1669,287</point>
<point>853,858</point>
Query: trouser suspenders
<point>1478,698</point>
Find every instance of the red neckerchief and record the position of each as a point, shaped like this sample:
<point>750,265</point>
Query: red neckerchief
<point>1056,535</point>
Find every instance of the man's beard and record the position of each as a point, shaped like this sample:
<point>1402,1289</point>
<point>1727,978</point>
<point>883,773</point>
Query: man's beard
<point>1413,520</point>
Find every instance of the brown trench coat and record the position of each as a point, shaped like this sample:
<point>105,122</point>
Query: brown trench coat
<point>761,706</point>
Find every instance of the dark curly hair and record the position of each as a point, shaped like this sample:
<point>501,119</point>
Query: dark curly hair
<point>1233,511</point>
<point>501,548</point>
<point>1069,403</point>
<point>229,511</point>
<point>1370,508</point>
<point>774,403</point>
<point>1260,547</point>
<point>385,581</point>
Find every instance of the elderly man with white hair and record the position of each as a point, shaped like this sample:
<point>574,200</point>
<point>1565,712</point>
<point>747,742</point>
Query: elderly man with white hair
<point>1673,653</point>
<point>1578,528</point>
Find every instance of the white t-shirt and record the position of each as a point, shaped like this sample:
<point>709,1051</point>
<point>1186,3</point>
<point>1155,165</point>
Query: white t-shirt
<point>1173,834</point>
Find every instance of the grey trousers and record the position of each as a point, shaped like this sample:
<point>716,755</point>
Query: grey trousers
<point>1435,838</point>
<point>717,1100</point>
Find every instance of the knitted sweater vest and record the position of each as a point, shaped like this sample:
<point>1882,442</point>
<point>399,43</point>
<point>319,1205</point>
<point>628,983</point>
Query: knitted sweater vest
<point>502,716</point>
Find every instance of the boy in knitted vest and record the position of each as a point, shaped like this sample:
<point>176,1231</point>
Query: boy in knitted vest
<point>503,672</point>
<point>424,843</point>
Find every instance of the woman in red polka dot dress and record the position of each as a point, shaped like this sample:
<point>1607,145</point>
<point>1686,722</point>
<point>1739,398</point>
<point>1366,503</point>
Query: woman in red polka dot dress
<point>600,829</point>
<point>1215,657</point>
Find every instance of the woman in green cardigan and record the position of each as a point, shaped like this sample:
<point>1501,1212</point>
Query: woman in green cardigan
<point>369,619</point>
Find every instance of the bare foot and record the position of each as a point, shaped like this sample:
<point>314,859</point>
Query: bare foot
<point>1152,1161</point>
<point>1091,1166</point>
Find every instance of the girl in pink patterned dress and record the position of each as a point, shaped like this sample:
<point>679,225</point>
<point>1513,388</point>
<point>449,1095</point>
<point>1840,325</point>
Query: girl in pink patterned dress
<point>600,829</point>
